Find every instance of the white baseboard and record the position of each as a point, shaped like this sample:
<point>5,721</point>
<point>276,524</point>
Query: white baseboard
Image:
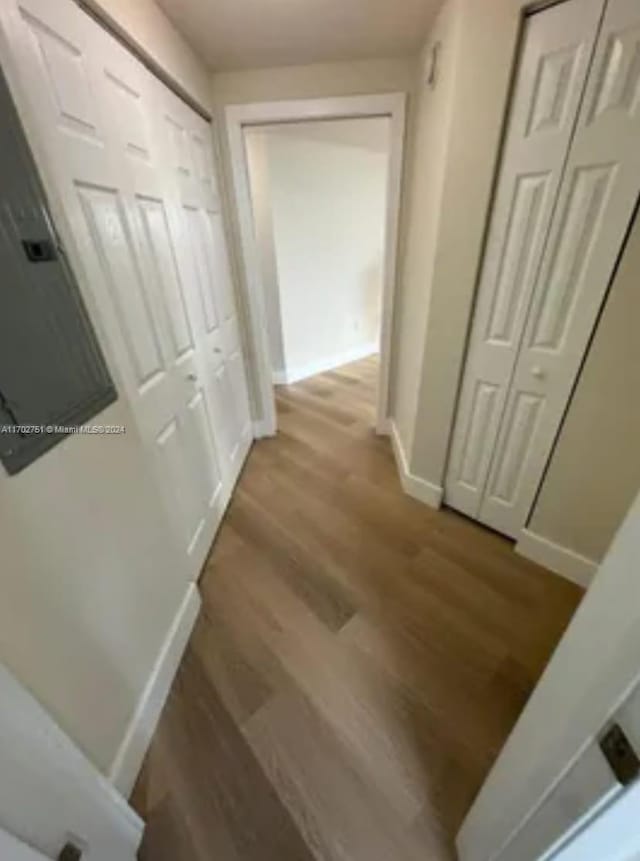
<point>413,485</point>
<point>383,427</point>
<point>557,558</point>
<point>262,429</point>
<point>327,363</point>
<point>128,760</point>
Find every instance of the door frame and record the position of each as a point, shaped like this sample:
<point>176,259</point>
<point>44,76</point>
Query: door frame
<point>239,117</point>
<point>583,693</point>
<point>56,793</point>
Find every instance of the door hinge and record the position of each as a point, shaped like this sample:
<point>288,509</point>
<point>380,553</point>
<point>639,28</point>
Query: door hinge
<point>620,755</point>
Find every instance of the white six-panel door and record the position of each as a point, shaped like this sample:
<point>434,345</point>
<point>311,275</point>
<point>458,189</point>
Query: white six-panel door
<point>189,149</point>
<point>180,437</point>
<point>567,187</point>
<point>104,125</point>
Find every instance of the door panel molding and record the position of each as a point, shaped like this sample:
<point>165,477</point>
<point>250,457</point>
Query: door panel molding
<point>99,119</point>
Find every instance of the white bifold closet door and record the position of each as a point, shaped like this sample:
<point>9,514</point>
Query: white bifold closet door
<point>189,152</point>
<point>567,188</point>
<point>133,168</point>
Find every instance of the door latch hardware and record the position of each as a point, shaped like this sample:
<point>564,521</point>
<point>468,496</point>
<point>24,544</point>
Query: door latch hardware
<point>70,853</point>
<point>39,250</point>
<point>620,755</point>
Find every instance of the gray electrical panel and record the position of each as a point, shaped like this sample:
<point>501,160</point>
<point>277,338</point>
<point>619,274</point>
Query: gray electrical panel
<point>52,372</point>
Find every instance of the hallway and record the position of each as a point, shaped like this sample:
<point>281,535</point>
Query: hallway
<point>359,661</point>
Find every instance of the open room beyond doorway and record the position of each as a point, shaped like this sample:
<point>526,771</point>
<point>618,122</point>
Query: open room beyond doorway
<point>319,204</point>
<point>318,194</point>
<point>317,185</point>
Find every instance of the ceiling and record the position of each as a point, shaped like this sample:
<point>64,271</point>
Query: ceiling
<point>244,34</point>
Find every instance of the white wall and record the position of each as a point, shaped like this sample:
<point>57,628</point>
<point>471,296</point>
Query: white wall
<point>327,196</point>
<point>427,134</point>
<point>90,582</point>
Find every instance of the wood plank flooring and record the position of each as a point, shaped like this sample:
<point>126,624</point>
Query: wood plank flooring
<point>359,661</point>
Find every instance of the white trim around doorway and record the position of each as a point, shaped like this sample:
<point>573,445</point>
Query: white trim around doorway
<point>238,117</point>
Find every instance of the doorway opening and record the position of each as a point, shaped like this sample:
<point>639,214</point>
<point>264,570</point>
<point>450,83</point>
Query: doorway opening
<point>318,196</point>
<point>317,185</point>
